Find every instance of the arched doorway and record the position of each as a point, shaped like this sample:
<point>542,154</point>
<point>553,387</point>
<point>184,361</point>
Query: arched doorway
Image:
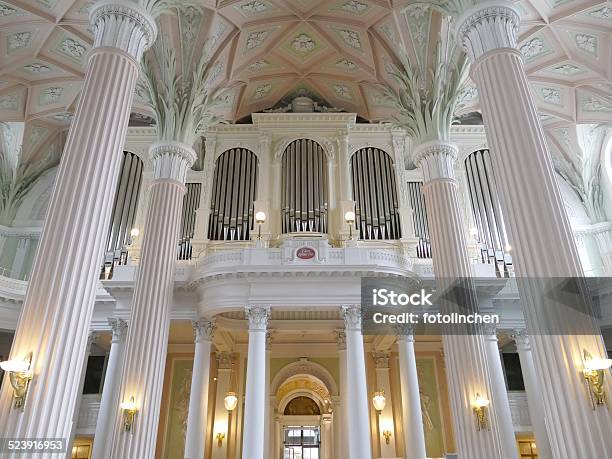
<point>304,398</point>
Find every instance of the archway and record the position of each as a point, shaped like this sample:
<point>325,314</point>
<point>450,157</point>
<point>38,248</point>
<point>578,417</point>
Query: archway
<point>303,407</point>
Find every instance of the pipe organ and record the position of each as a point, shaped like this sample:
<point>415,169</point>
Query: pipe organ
<point>233,195</point>
<point>304,188</point>
<point>375,195</point>
<point>487,211</point>
<point>191,202</point>
<point>124,212</point>
<point>419,217</point>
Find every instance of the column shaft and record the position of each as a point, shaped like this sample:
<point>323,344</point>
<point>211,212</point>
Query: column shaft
<point>195,437</point>
<point>57,309</point>
<point>221,416</point>
<point>468,369</point>
<point>110,390</point>
<point>500,392</point>
<point>359,443</point>
<point>341,415</point>
<point>559,335</point>
<point>254,404</point>
<point>147,342</point>
<point>534,394</point>
<point>414,434</point>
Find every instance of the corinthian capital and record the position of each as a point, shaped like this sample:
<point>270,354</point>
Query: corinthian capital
<point>352,316</point>
<point>436,159</point>
<point>488,26</point>
<point>123,25</point>
<point>118,328</point>
<point>172,160</point>
<point>258,316</point>
<point>203,330</point>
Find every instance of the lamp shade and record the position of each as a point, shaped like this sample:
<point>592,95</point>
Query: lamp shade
<point>379,401</point>
<point>135,232</point>
<point>349,217</point>
<point>260,217</point>
<point>230,401</point>
<point>15,366</point>
<point>481,402</point>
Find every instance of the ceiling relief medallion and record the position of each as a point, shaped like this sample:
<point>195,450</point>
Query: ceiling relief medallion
<point>191,19</point>
<point>37,68</point>
<point>595,104</point>
<point>534,48</point>
<point>259,65</point>
<point>72,49</point>
<point>17,41</point>
<point>346,64</point>
<point>49,4</point>
<point>587,43</point>
<point>218,32</point>
<point>256,39</point>
<point>6,10</point>
<point>9,102</point>
<point>550,95</point>
<point>50,95</point>
<point>468,94</point>
<point>605,12</point>
<point>303,44</point>
<point>85,9</point>
<point>342,91</point>
<point>354,7</point>
<point>262,91</point>
<point>214,74</point>
<point>567,69</point>
<point>351,38</point>
<point>252,8</point>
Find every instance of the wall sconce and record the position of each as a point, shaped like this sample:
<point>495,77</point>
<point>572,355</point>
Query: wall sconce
<point>387,435</point>
<point>220,437</point>
<point>349,218</point>
<point>379,401</point>
<point>480,410</point>
<point>260,218</point>
<point>134,233</point>
<point>230,401</point>
<point>20,375</point>
<point>594,375</point>
<point>129,413</point>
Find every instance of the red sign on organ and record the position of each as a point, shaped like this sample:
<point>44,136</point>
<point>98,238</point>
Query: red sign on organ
<point>305,253</point>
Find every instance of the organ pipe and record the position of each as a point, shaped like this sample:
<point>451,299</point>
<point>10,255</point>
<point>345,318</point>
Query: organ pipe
<point>304,187</point>
<point>375,195</point>
<point>233,196</point>
<point>486,209</point>
<point>191,203</point>
<point>124,209</point>
<point>419,218</point>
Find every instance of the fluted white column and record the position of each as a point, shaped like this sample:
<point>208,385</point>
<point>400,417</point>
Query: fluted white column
<point>147,341</point>
<point>268,418</point>
<point>255,397</point>
<point>341,414</point>
<point>467,365</point>
<point>414,433</point>
<point>534,393</point>
<point>500,392</point>
<point>57,309</point>
<point>197,416</point>
<point>531,199</point>
<point>110,389</point>
<point>359,443</point>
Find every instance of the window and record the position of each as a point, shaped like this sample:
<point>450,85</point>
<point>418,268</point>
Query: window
<point>302,442</point>
<point>514,373</point>
<point>528,449</point>
<point>375,195</point>
<point>94,374</point>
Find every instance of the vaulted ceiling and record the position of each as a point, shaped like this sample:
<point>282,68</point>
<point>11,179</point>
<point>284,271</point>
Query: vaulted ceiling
<point>338,50</point>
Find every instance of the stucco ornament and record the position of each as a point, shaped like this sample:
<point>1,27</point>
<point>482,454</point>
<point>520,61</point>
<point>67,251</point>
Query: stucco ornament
<point>428,97</point>
<point>178,94</point>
